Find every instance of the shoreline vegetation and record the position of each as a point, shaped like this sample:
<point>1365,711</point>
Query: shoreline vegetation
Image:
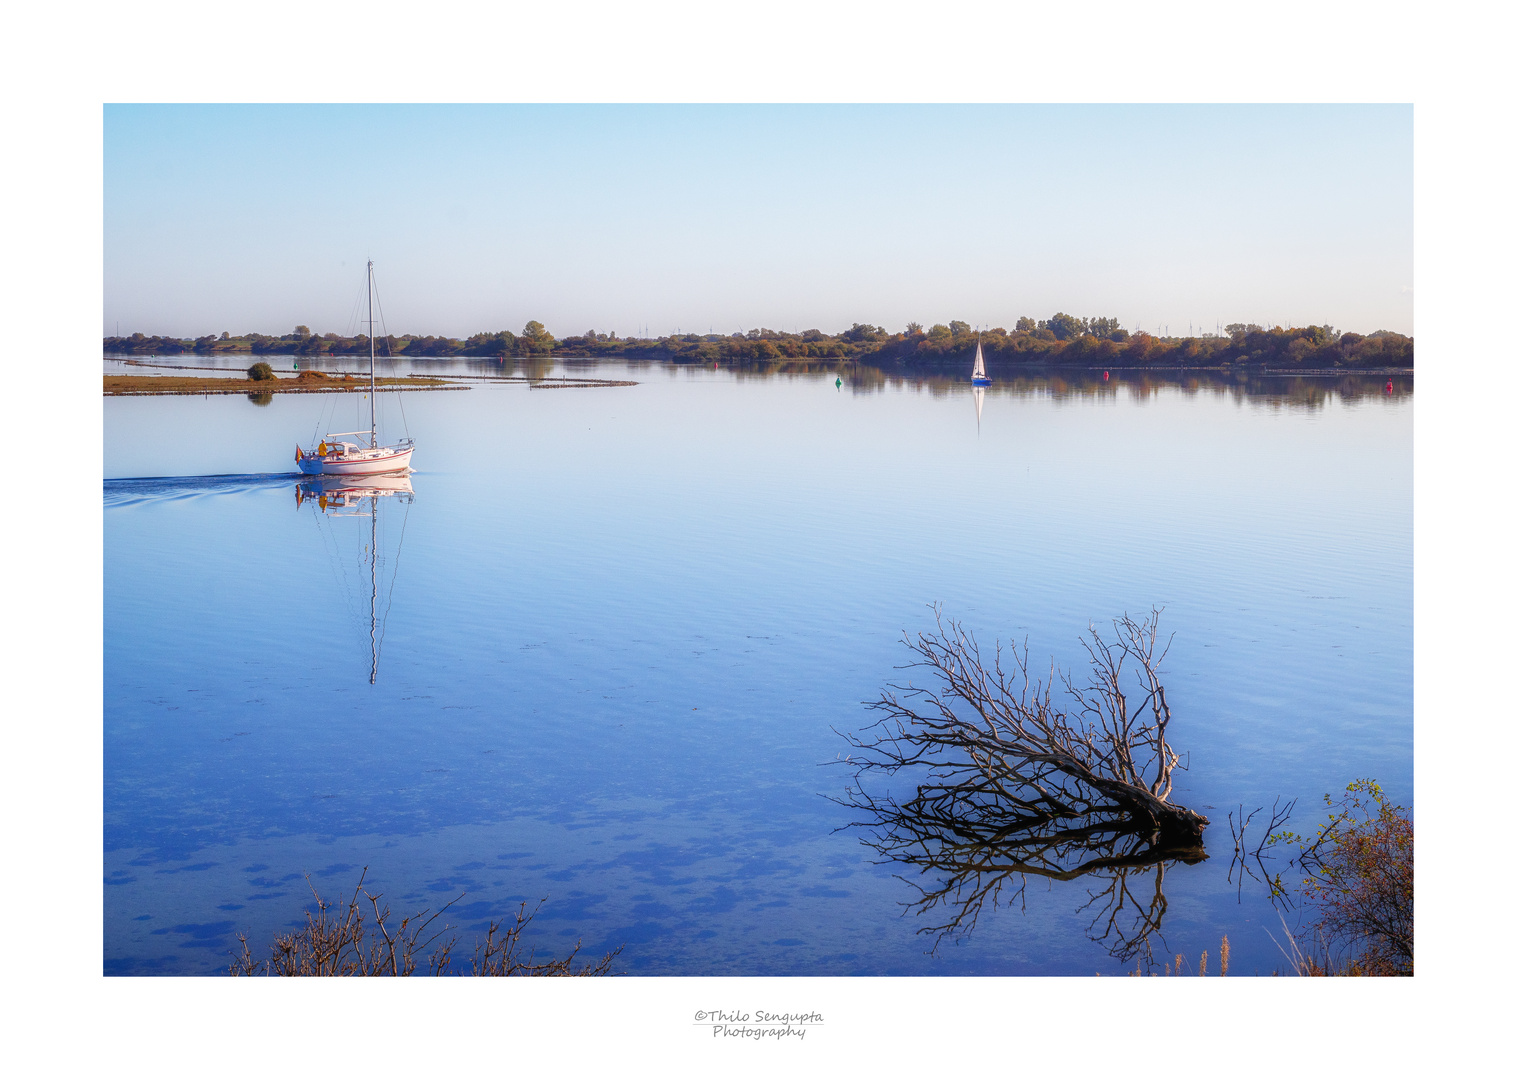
<point>307,382</point>
<point>1062,340</point>
<point>335,941</point>
<point>263,381</point>
<point>1298,386</point>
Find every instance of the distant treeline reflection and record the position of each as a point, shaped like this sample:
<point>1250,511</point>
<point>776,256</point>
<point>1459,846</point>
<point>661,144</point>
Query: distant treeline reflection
<point>1300,390</point>
<point>1061,340</point>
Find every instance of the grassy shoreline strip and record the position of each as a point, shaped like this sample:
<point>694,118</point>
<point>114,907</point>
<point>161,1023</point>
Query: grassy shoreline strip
<point>448,376</point>
<point>163,385</point>
<point>591,384</point>
<point>195,367</point>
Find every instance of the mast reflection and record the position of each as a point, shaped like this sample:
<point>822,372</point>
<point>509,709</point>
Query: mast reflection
<point>337,497</point>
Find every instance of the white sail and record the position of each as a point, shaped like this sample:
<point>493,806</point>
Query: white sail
<point>979,362</point>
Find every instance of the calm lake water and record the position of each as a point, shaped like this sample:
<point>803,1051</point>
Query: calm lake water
<point>616,628</point>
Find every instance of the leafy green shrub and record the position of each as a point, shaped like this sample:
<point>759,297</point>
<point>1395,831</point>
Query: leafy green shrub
<point>260,372</point>
<point>1358,882</point>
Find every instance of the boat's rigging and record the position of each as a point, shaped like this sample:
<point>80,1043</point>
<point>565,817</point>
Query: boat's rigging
<point>327,417</point>
<point>353,316</point>
<point>400,399</point>
<point>372,432</point>
<point>394,574</point>
<point>380,304</point>
<point>399,395</point>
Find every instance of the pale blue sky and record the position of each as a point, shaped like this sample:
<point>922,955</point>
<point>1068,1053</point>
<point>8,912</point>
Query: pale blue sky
<point>696,217</point>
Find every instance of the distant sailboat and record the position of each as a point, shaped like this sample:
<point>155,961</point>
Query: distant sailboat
<point>333,457</point>
<point>979,378</point>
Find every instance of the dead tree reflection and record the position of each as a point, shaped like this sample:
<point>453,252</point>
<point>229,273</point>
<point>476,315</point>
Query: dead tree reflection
<point>1248,861</point>
<point>1005,786</point>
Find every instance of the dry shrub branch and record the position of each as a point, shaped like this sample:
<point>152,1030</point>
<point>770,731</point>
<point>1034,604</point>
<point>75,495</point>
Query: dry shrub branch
<point>1357,886</point>
<point>337,941</point>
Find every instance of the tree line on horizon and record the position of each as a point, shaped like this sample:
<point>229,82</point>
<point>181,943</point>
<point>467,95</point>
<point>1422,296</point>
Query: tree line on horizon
<point>1061,339</point>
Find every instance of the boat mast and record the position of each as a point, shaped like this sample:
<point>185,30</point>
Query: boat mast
<point>373,440</point>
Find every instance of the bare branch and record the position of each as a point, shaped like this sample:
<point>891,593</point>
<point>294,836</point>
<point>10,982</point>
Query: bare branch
<point>1001,783</point>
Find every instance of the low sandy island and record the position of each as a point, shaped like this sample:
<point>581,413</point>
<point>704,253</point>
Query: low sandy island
<point>307,382</point>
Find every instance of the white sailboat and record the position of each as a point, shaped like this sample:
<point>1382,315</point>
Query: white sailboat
<point>335,457</point>
<point>979,378</point>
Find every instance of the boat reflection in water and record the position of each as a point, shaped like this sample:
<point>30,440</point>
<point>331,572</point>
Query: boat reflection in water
<point>335,498</point>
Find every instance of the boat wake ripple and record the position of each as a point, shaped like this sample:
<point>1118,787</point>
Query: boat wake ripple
<point>142,489</point>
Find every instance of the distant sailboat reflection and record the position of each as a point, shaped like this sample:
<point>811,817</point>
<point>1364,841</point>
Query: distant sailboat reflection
<point>979,406</point>
<point>336,497</point>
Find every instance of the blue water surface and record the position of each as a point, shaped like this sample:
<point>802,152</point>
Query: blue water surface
<point>618,630</point>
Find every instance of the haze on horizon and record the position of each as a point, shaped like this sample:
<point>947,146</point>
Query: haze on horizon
<point>657,219</point>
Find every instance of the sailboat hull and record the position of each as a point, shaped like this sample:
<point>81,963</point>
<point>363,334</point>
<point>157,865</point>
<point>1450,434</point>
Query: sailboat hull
<point>381,460</point>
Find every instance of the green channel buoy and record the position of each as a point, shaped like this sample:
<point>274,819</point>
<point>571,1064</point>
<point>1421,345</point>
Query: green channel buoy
<point>840,382</point>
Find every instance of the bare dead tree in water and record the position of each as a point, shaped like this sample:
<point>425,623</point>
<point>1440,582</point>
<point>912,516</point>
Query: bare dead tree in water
<point>1006,785</point>
<point>997,748</point>
<point>335,941</point>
